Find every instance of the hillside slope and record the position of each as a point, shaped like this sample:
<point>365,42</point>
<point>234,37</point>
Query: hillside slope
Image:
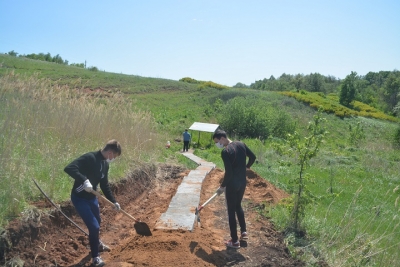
<point>68,75</point>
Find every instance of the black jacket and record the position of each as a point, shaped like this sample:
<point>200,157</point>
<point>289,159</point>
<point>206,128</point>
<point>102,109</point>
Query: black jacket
<point>234,157</point>
<point>92,166</point>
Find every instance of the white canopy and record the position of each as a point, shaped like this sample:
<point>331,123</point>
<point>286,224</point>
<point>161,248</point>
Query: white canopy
<point>204,127</point>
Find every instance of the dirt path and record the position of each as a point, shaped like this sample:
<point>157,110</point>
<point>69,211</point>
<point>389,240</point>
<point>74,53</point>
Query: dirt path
<point>52,241</point>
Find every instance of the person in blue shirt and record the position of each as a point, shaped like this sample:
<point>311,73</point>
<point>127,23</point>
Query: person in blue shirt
<point>186,140</point>
<point>234,156</point>
<point>89,171</point>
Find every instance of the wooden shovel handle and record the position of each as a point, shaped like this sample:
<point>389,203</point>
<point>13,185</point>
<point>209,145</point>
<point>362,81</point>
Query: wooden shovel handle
<point>205,203</point>
<point>103,197</point>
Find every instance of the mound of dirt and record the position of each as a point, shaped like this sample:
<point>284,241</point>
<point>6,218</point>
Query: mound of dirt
<point>48,239</point>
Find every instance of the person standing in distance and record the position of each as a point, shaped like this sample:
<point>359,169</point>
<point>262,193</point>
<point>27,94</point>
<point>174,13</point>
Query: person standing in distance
<point>89,171</point>
<point>186,140</point>
<point>234,156</point>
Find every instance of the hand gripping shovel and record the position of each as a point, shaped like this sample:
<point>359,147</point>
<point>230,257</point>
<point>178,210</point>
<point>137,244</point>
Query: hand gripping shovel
<point>140,227</point>
<point>202,206</point>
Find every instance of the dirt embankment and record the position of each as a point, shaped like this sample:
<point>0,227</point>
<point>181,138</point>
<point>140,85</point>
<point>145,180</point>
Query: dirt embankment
<point>48,239</point>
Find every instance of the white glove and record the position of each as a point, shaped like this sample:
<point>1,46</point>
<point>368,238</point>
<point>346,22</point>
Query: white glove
<point>117,206</point>
<point>87,186</point>
<point>220,190</point>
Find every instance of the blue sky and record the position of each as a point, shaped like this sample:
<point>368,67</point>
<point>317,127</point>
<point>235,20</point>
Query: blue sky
<point>211,40</point>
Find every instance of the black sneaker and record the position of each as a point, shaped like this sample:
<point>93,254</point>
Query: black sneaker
<point>98,262</point>
<point>103,248</point>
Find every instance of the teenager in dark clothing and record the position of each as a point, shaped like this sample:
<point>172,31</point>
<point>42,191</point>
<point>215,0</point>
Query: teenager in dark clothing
<point>234,155</point>
<point>89,171</point>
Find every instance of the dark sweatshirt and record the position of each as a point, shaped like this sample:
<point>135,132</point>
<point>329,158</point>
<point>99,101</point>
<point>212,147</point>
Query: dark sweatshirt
<point>234,157</point>
<point>92,166</point>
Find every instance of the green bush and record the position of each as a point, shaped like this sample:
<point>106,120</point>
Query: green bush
<point>212,85</point>
<point>189,80</point>
<point>203,84</point>
<point>251,118</point>
<point>93,69</point>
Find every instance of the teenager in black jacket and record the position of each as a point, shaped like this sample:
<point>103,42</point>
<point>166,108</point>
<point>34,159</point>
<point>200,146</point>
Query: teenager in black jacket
<point>89,171</point>
<point>234,155</point>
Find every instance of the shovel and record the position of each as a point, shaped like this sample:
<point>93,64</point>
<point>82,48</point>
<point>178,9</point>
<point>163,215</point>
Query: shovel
<point>140,227</point>
<point>202,206</point>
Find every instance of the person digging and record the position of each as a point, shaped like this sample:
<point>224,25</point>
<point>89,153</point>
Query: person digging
<point>234,156</point>
<point>89,171</point>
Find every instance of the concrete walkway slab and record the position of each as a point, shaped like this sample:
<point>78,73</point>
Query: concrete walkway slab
<point>181,210</point>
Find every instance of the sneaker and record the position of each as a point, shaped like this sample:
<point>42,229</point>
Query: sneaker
<point>231,244</point>
<point>244,236</point>
<point>98,262</point>
<point>103,248</point>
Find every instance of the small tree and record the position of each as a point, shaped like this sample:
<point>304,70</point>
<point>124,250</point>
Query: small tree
<point>356,134</point>
<point>303,151</point>
<point>12,53</point>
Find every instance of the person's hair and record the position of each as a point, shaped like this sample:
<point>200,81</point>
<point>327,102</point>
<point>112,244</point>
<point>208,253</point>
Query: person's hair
<point>114,146</point>
<point>186,130</point>
<point>219,133</point>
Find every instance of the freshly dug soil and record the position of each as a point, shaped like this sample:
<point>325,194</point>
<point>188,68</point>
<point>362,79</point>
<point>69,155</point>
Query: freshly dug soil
<point>46,238</point>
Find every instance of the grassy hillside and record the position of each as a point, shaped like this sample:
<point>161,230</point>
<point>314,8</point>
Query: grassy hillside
<point>79,77</point>
<point>45,122</point>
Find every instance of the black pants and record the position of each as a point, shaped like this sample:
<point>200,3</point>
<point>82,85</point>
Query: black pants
<point>185,145</point>
<point>234,205</point>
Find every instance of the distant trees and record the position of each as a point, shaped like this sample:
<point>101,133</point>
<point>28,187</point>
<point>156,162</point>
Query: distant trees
<point>313,82</point>
<point>378,89</point>
<point>391,90</point>
<point>240,85</point>
<point>348,89</point>
<point>92,68</point>
<point>79,65</point>
<point>12,53</point>
<point>47,57</point>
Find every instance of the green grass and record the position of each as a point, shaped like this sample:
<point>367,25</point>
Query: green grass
<point>354,188</point>
<point>76,77</point>
<point>45,122</point>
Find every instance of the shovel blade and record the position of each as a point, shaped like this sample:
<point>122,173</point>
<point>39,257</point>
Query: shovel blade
<point>197,216</point>
<point>142,229</point>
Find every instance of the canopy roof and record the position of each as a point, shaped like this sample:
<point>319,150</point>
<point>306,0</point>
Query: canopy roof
<point>204,127</point>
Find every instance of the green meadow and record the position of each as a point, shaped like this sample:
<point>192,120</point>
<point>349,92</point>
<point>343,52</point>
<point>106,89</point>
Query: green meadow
<point>52,113</point>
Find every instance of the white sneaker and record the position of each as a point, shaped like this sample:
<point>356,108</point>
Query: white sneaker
<point>244,236</point>
<point>103,247</point>
<point>232,244</point>
<point>98,262</point>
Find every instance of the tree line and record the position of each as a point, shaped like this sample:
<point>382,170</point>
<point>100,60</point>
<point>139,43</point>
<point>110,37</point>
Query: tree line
<point>380,90</point>
<point>55,59</point>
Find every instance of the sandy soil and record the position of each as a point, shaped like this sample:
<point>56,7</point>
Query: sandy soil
<point>46,238</point>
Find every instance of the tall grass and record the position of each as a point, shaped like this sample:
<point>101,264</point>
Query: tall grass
<point>44,127</point>
<point>363,237</point>
<point>354,218</point>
